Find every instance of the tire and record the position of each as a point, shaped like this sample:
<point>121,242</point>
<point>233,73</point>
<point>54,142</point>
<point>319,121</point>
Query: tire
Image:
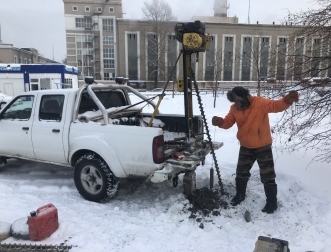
<point>93,179</point>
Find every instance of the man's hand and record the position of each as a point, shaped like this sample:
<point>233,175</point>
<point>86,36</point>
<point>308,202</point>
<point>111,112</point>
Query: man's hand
<point>291,97</point>
<point>217,121</point>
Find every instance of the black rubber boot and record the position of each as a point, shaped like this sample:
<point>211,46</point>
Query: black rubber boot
<point>271,194</point>
<point>241,185</point>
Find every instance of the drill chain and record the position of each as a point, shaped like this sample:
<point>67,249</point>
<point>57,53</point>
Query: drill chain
<point>212,151</point>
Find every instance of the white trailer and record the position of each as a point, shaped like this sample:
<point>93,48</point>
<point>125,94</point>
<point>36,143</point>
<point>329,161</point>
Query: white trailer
<point>18,78</point>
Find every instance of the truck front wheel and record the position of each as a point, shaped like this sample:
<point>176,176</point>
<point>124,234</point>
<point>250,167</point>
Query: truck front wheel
<point>93,178</point>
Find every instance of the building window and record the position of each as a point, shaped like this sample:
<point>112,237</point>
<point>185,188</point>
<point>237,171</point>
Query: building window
<point>84,38</point>
<point>25,61</point>
<point>111,9</point>
<point>300,40</point>
<point>15,59</point>
<point>68,83</point>
<point>74,8</point>
<point>282,40</point>
<point>108,76</point>
<point>108,40</point>
<point>79,63</point>
<point>83,22</point>
<point>21,60</point>
<point>109,63</point>
<point>99,9</point>
<point>30,61</point>
<point>85,51</point>
<point>108,53</point>
<point>108,24</point>
<point>87,8</point>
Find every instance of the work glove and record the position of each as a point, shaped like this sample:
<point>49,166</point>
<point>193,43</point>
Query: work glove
<point>291,97</point>
<point>217,121</point>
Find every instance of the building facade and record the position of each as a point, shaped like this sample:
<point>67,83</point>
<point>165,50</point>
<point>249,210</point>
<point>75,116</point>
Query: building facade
<point>237,51</point>
<point>103,44</point>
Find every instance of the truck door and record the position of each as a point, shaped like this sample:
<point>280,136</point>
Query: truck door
<point>47,130</point>
<point>16,128</point>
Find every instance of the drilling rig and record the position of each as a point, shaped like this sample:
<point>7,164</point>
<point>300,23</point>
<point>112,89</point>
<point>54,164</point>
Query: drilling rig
<point>194,40</point>
<point>193,148</point>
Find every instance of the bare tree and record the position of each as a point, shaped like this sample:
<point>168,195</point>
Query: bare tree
<point>159,13</point>
<point>214,60</point>
<point>309,61</point>
<point>64,61</point>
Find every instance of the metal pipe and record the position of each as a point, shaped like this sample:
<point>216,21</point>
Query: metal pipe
<point>137,93</point>
<point>77,102</point>
<point>117,86</point>
<point>98,103</point>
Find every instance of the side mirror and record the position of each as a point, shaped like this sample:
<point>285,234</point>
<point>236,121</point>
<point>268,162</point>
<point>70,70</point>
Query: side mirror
<point>2,105</point>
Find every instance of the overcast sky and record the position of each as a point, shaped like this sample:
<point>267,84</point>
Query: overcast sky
<point>40,23</point>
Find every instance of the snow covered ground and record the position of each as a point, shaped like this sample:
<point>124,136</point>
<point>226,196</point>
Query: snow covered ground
<point>150,217</point>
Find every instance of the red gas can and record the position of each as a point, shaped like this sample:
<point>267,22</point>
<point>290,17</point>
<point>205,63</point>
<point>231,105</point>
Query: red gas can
<point>43,222</point>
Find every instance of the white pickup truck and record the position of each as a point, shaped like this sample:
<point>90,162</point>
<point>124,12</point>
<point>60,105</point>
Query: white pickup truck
<point>97,130</point>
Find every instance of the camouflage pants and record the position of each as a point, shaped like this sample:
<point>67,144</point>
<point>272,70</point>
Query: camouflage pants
<point>264,158</point>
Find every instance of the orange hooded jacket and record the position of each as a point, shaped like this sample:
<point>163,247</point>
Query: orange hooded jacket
<point>253,122</point>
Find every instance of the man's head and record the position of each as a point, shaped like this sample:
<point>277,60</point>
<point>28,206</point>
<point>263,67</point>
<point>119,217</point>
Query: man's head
<point>240,96</point>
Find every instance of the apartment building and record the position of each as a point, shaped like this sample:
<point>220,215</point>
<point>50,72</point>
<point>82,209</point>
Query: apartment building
<point>91,36</point>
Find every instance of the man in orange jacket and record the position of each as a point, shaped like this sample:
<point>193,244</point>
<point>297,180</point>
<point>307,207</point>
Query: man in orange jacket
<point>250,113</point>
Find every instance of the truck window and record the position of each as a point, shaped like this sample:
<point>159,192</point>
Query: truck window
<point>51,108</point>
<point>109,99</point>
<point>20,108</point>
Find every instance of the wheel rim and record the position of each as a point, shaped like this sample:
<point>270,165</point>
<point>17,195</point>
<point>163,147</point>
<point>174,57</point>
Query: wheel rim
<point>91,179</point>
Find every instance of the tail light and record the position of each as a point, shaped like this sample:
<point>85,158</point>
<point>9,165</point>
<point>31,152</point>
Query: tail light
<point>158,149</point>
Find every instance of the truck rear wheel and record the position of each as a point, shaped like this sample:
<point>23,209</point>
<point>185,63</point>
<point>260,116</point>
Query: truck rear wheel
<point>93,178</point>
